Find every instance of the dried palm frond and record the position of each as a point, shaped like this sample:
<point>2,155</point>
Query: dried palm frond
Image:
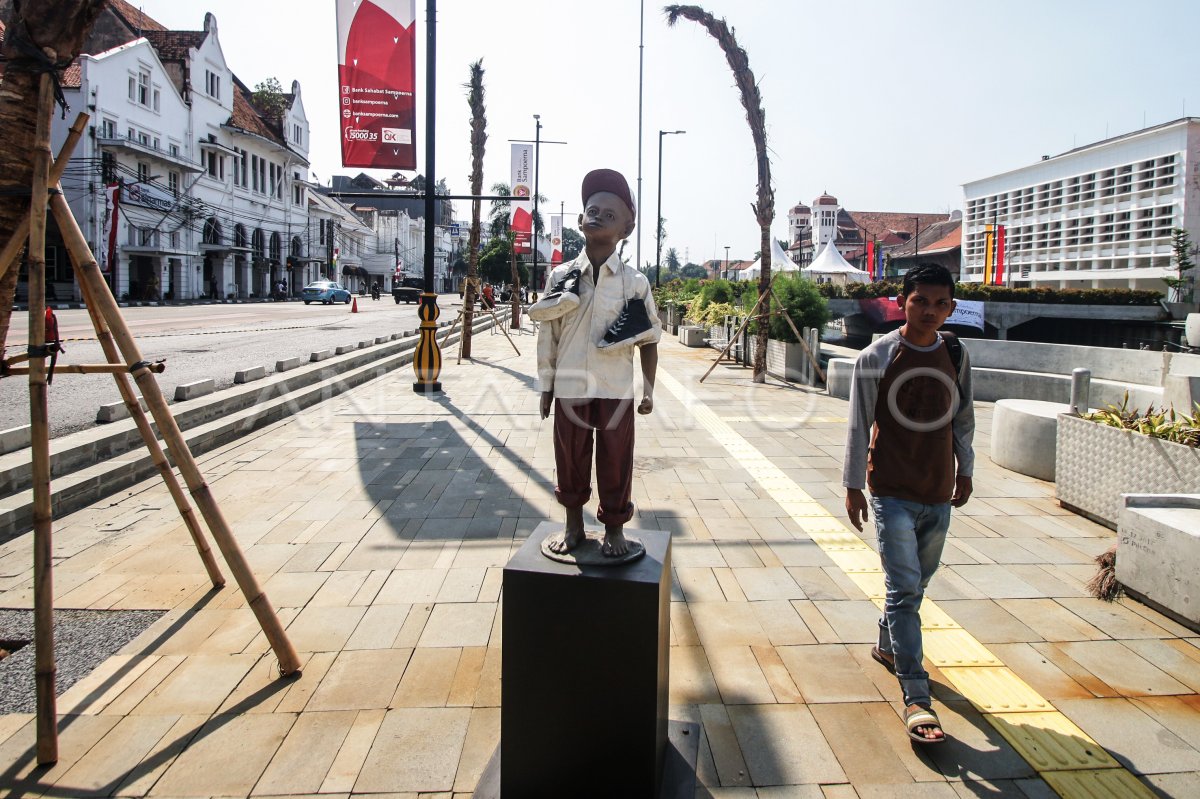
<point>764,208</point>
<point>1104,585</point>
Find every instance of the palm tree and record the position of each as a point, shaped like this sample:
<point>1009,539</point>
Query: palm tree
<point>764,208</point>
<point>478,140</point>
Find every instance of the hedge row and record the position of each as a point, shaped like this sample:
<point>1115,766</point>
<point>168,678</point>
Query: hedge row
<point>978,291</point>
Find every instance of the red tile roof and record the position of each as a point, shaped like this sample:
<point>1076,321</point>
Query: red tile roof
<point>174,45</point>
<point>246,117</point>
<point>134,17</point>
<point>938,237</point>
<point>878,223</point>
<point>72,77</point>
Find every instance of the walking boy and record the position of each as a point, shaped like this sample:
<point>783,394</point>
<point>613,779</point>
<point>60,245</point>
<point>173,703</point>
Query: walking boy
<point>585,365</point>
<point>911,426</point>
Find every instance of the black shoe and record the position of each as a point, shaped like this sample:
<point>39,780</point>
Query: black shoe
<point>559,301</point>
<point>632,327</point>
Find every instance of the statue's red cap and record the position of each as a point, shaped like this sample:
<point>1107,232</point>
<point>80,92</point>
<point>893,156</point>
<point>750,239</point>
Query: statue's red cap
<point>609,180</point>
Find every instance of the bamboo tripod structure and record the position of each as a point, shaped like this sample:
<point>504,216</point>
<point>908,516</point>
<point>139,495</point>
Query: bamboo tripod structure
<point>816,364</point>
<point>127,366</point>
<point>462,312</point>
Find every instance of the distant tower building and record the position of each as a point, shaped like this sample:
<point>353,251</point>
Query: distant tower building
<point>824,220</point>
<point>799,221</point>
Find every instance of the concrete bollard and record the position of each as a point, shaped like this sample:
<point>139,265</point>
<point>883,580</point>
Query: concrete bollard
<point>382,339</point>
<point>320,355</point>
<point>247,375</point>
<point>1081,389</point>
<point>342,350</point>
<point>814,345</point>
<point>16,438</point>
<point>288,363</point>
<point>114,411</point>
<point>362,345</point>
<point>199,388</point>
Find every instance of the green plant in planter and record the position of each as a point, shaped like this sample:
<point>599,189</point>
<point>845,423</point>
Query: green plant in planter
<point>711,315</point>
<point>800,297</point>
<point>1161,423</point>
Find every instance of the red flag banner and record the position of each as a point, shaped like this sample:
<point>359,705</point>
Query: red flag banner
<point>871,259</point>
<point>521,210</point>
<point>1000,255</point>
<point>989,252</point>
<point>377,71</point>
<point>110,224</point>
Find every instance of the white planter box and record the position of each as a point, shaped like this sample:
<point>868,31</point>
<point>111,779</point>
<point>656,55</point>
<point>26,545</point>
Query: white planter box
<point>1096,464</point>
<point>784,360</point>
<point>690,336</point>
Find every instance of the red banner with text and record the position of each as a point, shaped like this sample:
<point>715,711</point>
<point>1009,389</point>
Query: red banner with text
<point>377,71</point>
<point>521,212</point>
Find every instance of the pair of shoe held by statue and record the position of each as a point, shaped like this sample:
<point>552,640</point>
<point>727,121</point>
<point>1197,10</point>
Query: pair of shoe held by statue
<point>632,326</point>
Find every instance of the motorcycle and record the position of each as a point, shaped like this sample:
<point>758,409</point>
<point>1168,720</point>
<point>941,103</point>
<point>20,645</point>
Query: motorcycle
<point>375,291</point>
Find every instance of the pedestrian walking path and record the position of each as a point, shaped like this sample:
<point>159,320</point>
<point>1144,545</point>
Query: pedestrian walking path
<point>380,522</point>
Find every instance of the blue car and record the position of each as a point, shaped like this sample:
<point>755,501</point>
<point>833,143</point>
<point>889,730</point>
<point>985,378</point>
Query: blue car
<point>325,292</point>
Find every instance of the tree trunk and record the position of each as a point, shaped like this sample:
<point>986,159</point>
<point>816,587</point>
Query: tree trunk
<point>478,140</point>
<point>57,25</point>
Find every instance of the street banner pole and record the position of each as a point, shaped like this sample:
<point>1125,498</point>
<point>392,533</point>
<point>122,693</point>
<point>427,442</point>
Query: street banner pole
<point>427,359</point>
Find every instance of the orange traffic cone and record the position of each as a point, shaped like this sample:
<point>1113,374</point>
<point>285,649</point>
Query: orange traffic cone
<point>354,306</point>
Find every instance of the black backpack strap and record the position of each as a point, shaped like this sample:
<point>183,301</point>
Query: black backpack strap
<point>954,349</point>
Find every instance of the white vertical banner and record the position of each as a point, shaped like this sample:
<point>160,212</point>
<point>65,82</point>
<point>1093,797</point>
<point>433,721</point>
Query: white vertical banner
<point>521,205</point>
<point>556,240</point>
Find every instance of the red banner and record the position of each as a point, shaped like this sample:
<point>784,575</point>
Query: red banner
<point>521,189</point>
<point>110,225</point>
<point>377,70</point>
<point>871,259</point>
<point>556,239</point>
<point>1000,255</point>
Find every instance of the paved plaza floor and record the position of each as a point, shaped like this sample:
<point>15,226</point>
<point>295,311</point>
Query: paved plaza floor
<point>379,523</point>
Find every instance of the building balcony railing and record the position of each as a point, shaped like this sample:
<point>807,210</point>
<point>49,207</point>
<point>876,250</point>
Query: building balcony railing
<point>148,150</point>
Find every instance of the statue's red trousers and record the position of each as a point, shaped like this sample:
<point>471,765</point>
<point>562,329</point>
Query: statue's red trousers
<point>609,422</point>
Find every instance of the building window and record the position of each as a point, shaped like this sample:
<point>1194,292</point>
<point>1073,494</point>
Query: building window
<point>322,237</point>
<point>298,134</point>
<point>212,84</point>
<point>297,194</point>
<point>175,150</point>
<point>157,99</point>
<point>216,165</point>
<point>108,129</point>
<point>143,172</point>
<point>254,163</point>
<point>143,88</point>
<point>108,167</point>
<point>173,182</point>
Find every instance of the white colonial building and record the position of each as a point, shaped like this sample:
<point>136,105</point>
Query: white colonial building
<point>213,199</point>
<point>1100,215</point>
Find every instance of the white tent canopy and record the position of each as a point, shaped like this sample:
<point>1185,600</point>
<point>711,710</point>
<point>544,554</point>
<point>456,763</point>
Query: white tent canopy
<point>830,267</point>
<point>780,262</point>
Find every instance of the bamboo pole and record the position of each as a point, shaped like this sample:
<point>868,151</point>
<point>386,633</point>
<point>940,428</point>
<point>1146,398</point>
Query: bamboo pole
<point>101,297</point>
<point>734,337</point>
<point>12,248</point>
<point>120,374</point>
<point>39,419</point>
<point>89,369</point>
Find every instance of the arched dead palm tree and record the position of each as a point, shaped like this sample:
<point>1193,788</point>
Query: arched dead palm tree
<point>764,208</point>
<point>478,139</point>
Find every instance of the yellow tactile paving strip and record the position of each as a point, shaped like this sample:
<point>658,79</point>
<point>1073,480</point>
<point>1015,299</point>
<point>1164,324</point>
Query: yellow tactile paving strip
<point>1073,764</point>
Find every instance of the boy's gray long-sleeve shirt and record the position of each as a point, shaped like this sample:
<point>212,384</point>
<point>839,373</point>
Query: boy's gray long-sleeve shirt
<point>869,369</point>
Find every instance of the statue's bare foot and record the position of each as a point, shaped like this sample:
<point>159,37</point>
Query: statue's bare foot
<point>614,544</point>
<point>566,542</point>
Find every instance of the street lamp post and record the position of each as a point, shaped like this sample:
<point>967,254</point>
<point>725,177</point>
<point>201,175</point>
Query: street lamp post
<point>427,357</point>
<point>537,148</point>
<point>658,230</point>
<point>725,271</point>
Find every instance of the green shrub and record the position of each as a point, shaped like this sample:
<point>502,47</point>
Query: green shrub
<point>803,301</point>
<point>1156,423</point>
<point>710,315</point>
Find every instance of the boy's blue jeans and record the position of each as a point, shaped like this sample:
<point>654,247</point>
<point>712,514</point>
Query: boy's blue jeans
<point>911,536</point>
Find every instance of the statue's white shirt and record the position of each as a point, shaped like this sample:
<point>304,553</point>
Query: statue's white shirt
<point>569,362</point>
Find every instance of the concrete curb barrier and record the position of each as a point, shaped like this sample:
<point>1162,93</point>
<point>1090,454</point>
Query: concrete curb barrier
<point>321,355</point>
<point>15,438</point>
<point>115,411</point>
<point>198,388</point>
<point>342,350</point>
<point>287,364</point>
<point>92,464</point>
<point>251,374</point>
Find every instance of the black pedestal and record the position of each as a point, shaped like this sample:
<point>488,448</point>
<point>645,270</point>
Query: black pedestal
<point>584,680</point>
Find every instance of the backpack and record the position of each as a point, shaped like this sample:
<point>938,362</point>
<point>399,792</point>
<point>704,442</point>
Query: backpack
<point>954,349</point>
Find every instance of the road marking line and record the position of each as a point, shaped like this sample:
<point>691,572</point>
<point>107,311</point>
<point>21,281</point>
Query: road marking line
<point>1070,761</point>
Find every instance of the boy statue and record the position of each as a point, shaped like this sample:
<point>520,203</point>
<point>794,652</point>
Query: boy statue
<point>911,428</point>
<point>595,312</point>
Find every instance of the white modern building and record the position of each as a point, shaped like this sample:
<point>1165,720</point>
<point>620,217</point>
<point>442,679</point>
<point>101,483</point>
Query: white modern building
<point>1098,216</point>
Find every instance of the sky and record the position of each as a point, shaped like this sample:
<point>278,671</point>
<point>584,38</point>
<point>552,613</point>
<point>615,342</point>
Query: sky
<point>888,106</point>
